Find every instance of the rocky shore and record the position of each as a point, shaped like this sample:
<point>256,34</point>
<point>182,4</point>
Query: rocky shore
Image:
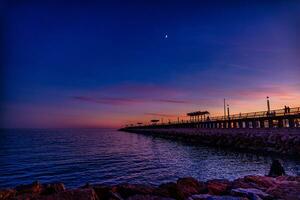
<point>284,141</point>
<point>249,187</point>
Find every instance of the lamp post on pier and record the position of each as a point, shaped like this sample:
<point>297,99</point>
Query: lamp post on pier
<point>228,114</point>
<point>268,104</point>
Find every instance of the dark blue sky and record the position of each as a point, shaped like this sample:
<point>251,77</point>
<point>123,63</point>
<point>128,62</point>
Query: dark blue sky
<point>76,64</point>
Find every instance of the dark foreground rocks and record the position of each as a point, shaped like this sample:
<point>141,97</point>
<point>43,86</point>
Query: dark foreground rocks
<point>246,188</point>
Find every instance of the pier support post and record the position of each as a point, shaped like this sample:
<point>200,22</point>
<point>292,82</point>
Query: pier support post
<point>254,124</point>
<point>229,124</point>
<point>241,124</point>
<point>262,123</point>
<point>247,124</point>
<point>270,123</point>
<point>280,123</point>
<point>234,124</point>
<point>291,123</point>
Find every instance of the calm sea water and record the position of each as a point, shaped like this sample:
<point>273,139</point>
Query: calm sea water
<point>77,156</point>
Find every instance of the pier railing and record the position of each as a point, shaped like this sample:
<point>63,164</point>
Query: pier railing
<point>260,114</point>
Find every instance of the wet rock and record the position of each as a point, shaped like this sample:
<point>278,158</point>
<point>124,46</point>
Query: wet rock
<point>167,190</point>
<point>103,192</point>
<point>242,183</point>
<point>189,186</point>
<point>219,186</point>
<point>276,169</point>
<point>127,190</point>
<point>148,197</point>
<point>115,196</point>
<point>77,194</point>
<point>7,194</point>
<point>261,182</point>
<point>34,188</point>
<point>286,190</point>
<point>214,197</point>
<point>288,178</point>
<point>53,188</point>
<point>251,193</point>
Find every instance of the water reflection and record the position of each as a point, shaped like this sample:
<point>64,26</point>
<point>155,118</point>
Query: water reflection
<point>77,156</point>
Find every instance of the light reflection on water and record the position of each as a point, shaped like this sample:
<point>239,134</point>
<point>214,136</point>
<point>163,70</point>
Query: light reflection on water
<point>77,156</point>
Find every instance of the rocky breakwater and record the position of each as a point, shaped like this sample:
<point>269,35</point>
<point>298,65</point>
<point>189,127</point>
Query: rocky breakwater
<point>246,188</point>
<point>281,140</point>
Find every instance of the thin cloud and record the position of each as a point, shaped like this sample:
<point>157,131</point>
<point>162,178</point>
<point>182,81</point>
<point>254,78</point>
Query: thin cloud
<point>162,115</point>
<point>107,100</point>
<point>125,101</point>
<point>171,101</point>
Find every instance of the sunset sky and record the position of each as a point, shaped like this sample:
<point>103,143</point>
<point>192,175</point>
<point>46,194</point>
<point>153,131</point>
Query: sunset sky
<point>109,63</point>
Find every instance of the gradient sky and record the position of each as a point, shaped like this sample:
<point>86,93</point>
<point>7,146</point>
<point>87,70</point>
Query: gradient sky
<point>109,63</point>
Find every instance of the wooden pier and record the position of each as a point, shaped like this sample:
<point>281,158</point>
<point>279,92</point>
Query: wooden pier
<point>280,118</point>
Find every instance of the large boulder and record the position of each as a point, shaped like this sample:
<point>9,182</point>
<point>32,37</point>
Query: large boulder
<point>127,190</point>
<point>251,193</point>
<point>219,186</point>
<point>167,190</point>
<point>286,190</point>
<point>242,183</point>
<point>103,192</point>
<point>53,188</point>
<point>261,182</point>
<point>189,186</point>
<point>288,178</point>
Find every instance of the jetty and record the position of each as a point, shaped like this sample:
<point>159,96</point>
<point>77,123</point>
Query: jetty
<point>280,118</point>
<point>271,131</point>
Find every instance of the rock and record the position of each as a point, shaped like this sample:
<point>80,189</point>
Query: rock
<point>288,178</point>
<point>7,194</point>
<point>251,193</point>
<point>127,190</point>
<point>286,190</point>
<point>53,188</point>
<point>189,186</point>
<point>167,190</point>
<point>219,186</point>
<point>261,182</point>
<point>102,191</point>
<point>242,183</point>
<point>34,188</point>
<point>276,169</point>
<point>148,197</point>
<point>76,194</point>
<point>214,197</point>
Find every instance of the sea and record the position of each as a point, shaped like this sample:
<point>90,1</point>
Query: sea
<point>108,156</point>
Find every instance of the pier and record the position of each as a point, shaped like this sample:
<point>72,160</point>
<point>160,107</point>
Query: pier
<point>280,118</point>
<point>272,131</point>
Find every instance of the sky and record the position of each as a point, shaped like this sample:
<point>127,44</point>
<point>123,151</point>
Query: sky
<point>68,64</point>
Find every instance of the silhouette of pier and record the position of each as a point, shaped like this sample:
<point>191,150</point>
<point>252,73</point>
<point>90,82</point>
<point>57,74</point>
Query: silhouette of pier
<point>280,118</point>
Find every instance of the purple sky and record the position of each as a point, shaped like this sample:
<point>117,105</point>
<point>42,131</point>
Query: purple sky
<point>105,64</point>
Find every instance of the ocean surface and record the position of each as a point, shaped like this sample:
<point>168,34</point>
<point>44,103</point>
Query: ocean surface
<point>78,156</point>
